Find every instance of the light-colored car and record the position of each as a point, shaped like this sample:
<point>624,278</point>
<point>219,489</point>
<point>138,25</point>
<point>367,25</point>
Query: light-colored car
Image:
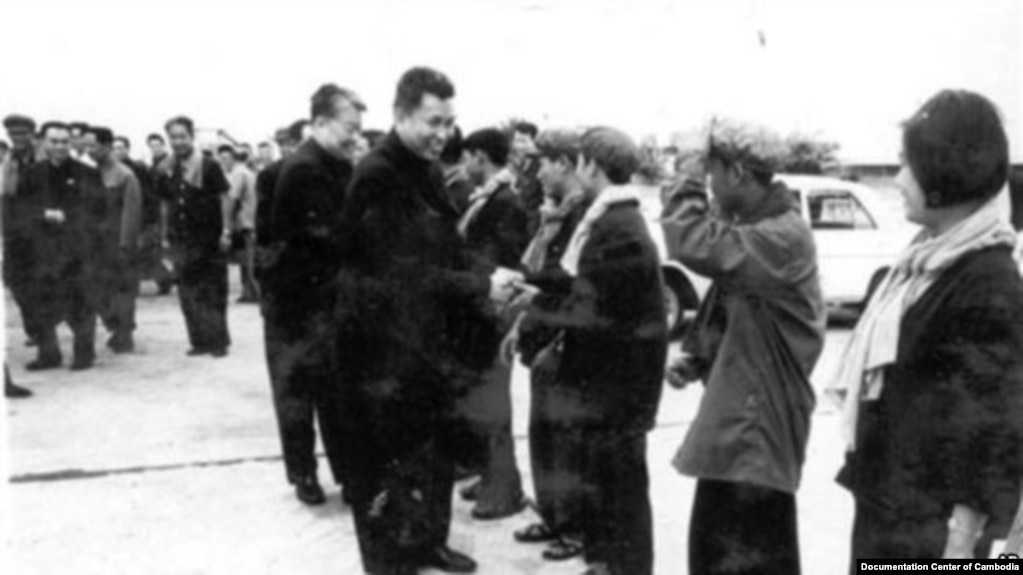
<point>859,232</point>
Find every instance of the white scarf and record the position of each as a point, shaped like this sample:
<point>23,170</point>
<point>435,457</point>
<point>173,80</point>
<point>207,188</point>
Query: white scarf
<point>607,198</point>
<point>875,343</point>
<point>481,196</point>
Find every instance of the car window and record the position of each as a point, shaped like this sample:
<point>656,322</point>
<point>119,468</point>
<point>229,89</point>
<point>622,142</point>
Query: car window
<point>837,210</point>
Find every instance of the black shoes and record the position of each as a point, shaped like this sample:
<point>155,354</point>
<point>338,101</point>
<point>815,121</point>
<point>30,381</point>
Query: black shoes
<point>448,560</point>
<point>43,363</point>
<point>308,491</point>
<point>215,352</point>
<point>12,391</point>
<point>80,364</point>
<point>121,344</point>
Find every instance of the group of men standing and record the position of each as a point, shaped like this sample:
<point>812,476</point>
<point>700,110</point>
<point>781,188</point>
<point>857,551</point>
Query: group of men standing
<point>393,280</point>
<point>70,232</point>
<point>84,223</point>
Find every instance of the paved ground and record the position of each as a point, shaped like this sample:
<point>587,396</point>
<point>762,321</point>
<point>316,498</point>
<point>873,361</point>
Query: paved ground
<point>154,463</point>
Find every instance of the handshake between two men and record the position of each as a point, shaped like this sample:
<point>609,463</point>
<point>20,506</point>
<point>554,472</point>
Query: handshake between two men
<point>510,292</point>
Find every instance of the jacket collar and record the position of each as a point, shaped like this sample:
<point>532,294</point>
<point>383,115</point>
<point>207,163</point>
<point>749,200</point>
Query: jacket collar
<point>402,157</point>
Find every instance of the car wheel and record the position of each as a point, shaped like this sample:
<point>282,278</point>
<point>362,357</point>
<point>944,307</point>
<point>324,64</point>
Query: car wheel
<point>672,308</point>
<point>679,300</point>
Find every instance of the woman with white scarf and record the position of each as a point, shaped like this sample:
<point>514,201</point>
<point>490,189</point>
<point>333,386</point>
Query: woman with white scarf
<point>932,378</point>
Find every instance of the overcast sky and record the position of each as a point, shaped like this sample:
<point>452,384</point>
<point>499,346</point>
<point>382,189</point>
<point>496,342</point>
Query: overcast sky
<point>849,71</point>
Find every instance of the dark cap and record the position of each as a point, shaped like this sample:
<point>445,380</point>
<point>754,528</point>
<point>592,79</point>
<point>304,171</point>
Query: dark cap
<point>19,121</point>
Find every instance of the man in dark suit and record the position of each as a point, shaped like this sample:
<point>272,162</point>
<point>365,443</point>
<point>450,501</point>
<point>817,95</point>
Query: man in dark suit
<point>17,264</point>
<point>198,228</point>
<point>495,227</point>
<point>64,205</point>
<point>414,334</point>
<point>296,305</point>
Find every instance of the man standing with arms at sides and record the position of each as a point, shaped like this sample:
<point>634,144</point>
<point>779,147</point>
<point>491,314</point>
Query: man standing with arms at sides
<point>18,255</point>
<point>118,283</point>
<point>194,192</point>
<point>415,331</point>
<point>243,210</point>
<point>65,206</point>
<point>296,302</point>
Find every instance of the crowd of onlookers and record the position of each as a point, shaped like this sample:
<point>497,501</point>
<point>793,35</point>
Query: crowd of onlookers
<point>399,275</point>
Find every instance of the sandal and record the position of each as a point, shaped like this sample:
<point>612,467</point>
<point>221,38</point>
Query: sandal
<point>535,533</point>
<point>562,550</point>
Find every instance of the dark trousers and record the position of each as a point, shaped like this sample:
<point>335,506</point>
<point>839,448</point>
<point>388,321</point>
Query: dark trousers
<point>487,409</point>
<point>17,270</point>
<point>245,241</point>
<point>202,288</point>
<point>884,534</point>
<point>30,323</point>
<point>305,390</point>
<point>401,476</point>
<point>618,529</point>
<point>117,302</point>
<point>740,529</point>
<point>557,458</point>
<point>65,299</point>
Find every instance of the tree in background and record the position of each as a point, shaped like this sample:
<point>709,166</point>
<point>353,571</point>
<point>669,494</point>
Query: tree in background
<point>809,155</point>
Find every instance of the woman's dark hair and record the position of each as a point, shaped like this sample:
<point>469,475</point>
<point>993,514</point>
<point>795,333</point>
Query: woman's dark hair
<point>957,148</point>
<point>155,136</point>
<point>417,82</point>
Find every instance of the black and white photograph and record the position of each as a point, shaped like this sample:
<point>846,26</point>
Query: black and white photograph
<point>537,287</point>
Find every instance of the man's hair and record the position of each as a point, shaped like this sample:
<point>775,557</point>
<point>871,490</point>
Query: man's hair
<point>453,148</point>
<point>492,143</point>
<point>229,149</point>
<point>19,121</point>
<point>417,82</point>
<point>263,144</point>
<point>124,140</point>
<point>527,128</point>
<point>295,130</point>
<point>613,151</point>
<point>560,143</point>
<point>81,127</point>
<point>155,136</point>
<point>104,136</point>
<point>325,101</point>
<point>183,121</point>
<point>53,125</point>
<point>957,148</point>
